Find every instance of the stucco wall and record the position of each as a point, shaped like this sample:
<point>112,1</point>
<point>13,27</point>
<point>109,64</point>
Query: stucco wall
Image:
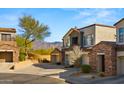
<point>75,34</point>
<point>119,25</point>
<point>66,41</point>
<point>120,53</point>
<point>104,34</point>
<point>88,30</point>
<point>85,59</point>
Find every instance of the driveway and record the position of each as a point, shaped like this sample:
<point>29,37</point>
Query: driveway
<point>32,73</point>
<point>12,78</point>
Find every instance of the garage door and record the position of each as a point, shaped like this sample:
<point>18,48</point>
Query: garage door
<point>120,66</point>
<point>6,56</point>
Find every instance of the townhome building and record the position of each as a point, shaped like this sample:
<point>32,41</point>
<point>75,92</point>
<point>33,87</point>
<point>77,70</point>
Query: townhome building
<point>87,37</point>
<point>9,51</point>
<point>120,46</point>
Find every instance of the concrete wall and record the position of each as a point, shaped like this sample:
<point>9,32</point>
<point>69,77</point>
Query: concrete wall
<point>104,34</point>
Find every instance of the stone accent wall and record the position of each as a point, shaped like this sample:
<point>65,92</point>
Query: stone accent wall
<point>110,58</point>
<point>10,46</point>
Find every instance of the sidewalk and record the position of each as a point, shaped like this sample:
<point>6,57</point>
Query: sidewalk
<point>74,76</point>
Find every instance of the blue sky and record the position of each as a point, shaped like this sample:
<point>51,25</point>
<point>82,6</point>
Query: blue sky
<point>60,20</point>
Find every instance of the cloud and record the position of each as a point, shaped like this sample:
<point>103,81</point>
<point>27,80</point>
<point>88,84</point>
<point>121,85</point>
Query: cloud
<point>10,19</point>
<point>96,15</point>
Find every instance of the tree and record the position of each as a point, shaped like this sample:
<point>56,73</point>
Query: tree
<point>32,30</point>
<point>75,56</point>
<point>20,42</point>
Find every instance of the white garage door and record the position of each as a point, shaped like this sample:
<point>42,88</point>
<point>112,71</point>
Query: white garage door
<point>120,66</point>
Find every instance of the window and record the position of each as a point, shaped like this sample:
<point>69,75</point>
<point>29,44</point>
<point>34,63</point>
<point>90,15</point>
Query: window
<point>6,37</point>
<point>89,40</point>
<point>121,35</point>
<point>74,40</point>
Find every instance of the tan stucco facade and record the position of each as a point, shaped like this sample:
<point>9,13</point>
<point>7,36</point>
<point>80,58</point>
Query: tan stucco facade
<point>85,59</point>
<point>74,34</point>
<point>104,34</point>
<point>99,33</point>
<point>88,30</point>
<point>56,56</point>
<point>68,36</point>
<point>119,25</point>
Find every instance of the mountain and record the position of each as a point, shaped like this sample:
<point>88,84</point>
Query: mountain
<point>45,45</point>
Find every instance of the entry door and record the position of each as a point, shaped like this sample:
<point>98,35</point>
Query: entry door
<point>101,63</point>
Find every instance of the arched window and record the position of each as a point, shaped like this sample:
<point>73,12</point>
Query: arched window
<point>121,35</point>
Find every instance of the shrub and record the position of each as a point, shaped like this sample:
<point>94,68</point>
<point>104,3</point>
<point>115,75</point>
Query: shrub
<point>86,68</point>
<point>22,56</point>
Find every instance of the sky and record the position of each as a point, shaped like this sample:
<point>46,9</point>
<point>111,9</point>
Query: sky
<point>60,20</point>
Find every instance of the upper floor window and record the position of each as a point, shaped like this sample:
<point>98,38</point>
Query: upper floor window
<point>74,40</point>
<point>6,37</point>
<point>89,40</point>
<point>121,35</point>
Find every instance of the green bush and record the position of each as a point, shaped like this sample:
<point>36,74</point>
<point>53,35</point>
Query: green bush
<point>86,68</point>
<point>22,56</point>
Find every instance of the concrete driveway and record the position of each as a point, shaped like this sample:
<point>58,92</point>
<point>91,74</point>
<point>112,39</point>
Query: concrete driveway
<point>12,78</point>
<point>33,73</point>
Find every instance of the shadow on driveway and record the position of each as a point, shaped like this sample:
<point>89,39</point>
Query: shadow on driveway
<point>48,66</point>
